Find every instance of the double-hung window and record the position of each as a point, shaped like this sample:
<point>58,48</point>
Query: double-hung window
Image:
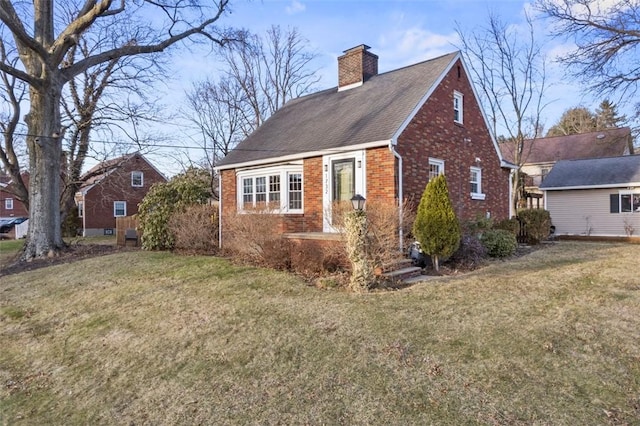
<point>119,208</point>
<point>625,202</point>
<point>475,181</point>
<point>8,203</point>
<point>137,179</point>
<point>272,189</point>
<point>436,167</point>
<point>458,107</point>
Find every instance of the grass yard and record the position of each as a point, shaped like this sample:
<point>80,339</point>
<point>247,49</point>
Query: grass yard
<point>155,338</point>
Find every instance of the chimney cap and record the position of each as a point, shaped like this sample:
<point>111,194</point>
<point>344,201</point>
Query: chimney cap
<point>358,47</point>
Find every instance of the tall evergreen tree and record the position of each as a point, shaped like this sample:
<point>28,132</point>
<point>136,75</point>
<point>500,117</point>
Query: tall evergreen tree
<point>436,227</point>
<point>607,116</point>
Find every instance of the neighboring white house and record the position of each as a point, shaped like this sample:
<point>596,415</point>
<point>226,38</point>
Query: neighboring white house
<point>539,155</point>
<point>595,197</point>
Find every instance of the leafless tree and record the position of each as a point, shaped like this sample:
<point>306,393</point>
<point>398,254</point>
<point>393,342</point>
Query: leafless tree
<point>607,42</point>
<point>260,75</point>
<point>43,44</point>
<point>510,69</point>
<point>12,92</point>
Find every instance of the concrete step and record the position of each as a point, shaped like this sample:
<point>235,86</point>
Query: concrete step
<point>402,274</point>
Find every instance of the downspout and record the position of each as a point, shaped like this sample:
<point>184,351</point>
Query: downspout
<point>400,197</point>
<point>219,209</point>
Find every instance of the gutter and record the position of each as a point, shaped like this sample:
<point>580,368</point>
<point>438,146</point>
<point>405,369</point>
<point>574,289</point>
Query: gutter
<point>400,196</point>
<point>219,210</point>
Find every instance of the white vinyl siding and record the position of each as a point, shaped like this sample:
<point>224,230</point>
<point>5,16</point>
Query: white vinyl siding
<point>587,212</point>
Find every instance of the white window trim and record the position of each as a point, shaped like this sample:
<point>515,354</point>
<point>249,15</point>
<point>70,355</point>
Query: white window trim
<point>435,162</point>
<point>114,209</point>
<point>631,192</point>
<point>8,204</point>
<point>460,97</point>
<point>283,172</point>
<point>477,195</point>
<point>141,179</point>
<point>81,209</point>
<point>327,191</point>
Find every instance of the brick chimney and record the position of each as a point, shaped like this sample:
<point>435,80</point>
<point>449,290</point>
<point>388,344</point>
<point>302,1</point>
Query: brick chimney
<point>356,66</point>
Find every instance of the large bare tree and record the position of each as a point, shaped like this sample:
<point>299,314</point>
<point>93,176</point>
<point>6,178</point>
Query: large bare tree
<point>259,76</point>
<point>508,66</point>
<point>43,45</point>
<point>607,38</point>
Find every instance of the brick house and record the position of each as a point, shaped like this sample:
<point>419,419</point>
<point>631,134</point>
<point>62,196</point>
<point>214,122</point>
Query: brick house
<point>541,154</point>
<point>378,135</point>
<point>10,206</point>
<point>112,189</point>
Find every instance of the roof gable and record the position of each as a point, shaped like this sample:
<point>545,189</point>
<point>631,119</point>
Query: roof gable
<point>599,144</point>
<point>101,171</point>
<point>598,172</point>
<point>332,119</point>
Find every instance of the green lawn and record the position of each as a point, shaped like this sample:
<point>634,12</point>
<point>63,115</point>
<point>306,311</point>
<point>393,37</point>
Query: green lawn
<point>155,338</point>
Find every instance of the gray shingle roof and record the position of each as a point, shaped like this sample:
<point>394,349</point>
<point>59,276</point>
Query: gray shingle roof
<point>331,119</point>
<point>603,143</point>
<point>597,172</point>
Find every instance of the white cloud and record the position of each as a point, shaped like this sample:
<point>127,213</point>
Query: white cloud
<point>408,46</point>
<point>295,7</point>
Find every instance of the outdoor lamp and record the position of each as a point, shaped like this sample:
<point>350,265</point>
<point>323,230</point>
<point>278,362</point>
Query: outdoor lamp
<point>358,202</point>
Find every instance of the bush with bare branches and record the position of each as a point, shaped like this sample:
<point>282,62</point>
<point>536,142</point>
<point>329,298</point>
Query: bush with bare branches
<point>195,229</point>
<point>255,236</point>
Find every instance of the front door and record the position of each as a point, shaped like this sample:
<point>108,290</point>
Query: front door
<point>344,178</point>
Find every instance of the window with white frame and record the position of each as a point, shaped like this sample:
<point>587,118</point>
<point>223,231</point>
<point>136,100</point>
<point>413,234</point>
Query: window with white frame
<point>458,107</point>
<point>119,208</point>
<point>475,181</point>
<point>625,202</point>
<point>436,167</point>
<point>137,179</point>
<point>264,189</point>
<point>80,208</point>
<point>8,203</point>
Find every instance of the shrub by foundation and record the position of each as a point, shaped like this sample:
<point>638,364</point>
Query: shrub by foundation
<point>538,224</point>
<point>499,243</point>
<point>195,229</point>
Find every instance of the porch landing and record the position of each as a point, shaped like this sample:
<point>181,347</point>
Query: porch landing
<point>322,236</point>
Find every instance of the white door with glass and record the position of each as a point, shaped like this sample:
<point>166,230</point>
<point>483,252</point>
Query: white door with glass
<point>344,177</point>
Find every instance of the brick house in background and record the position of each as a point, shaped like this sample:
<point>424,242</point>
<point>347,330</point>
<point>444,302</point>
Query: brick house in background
<point>378,135</point>
<point>10,206</point>
<point>112,189</point>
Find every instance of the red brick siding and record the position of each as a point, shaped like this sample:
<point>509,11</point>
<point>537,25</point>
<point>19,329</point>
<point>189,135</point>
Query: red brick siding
<point>98,202</point>
<point>381,176</point>
<point>313,207</point>
<point>356,65</point>
<point>432,133</point>
<point>19,209</point>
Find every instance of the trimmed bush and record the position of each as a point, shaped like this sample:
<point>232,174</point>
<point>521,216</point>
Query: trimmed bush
<point>470,254</point>
<point>512,225</point>
<point>436,226</point>
<point>499,243</point>
<point>538,224</point>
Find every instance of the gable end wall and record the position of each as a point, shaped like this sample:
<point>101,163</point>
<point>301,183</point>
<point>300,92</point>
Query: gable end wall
<point>433,133</point>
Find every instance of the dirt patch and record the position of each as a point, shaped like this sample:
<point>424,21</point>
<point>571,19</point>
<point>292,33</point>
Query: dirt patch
<point>71,253</point>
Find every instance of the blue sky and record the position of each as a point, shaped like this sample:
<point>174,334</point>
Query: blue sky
<point>400,32</point>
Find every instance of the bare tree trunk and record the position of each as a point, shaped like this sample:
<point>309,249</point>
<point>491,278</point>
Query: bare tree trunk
<point>45,236</point>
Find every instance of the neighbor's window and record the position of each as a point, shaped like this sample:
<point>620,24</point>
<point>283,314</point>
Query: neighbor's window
<point>263,188</point>
<point>137,179</point>
<point>8,204</point>
<point>458,107</point>
<point>475,180</point>
<point>544,171</point>
<point>625,202</point>
<point>80,208</point>
<point>436,167</point>
<point>119,208</point>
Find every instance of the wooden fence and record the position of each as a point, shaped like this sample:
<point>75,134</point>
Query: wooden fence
<point>124,223</point>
